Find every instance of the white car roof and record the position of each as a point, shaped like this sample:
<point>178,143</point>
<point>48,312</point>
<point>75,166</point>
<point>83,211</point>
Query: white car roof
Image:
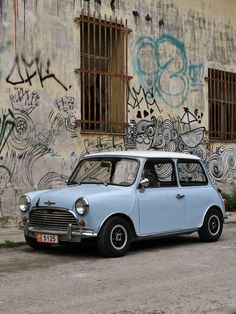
<point>145,154</point>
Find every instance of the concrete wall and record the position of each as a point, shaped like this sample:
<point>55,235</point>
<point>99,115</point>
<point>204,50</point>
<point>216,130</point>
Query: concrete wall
<point>170,49</point>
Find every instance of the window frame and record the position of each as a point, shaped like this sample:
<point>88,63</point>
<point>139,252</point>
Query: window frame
<point>112,117</point>
<point>221,105</point>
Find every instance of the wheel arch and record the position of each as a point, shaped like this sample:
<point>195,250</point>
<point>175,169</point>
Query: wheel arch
<point>127,218</point>
<point>212,227</point>
<point>212,208</point>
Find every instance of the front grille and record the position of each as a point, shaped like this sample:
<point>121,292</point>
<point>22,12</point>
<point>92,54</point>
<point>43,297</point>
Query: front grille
<point>51,218</point>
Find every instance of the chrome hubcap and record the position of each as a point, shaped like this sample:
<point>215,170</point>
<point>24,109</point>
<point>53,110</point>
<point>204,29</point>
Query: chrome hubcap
<point>118,237</point>
<point>214,225</point>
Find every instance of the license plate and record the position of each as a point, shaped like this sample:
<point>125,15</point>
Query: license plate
<point>47,238</point>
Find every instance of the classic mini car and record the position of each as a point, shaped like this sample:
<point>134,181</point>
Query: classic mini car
<point>120,197</point>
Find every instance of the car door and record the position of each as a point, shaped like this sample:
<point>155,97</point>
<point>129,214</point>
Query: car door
<point>196,190</point>
<point>161,204</point>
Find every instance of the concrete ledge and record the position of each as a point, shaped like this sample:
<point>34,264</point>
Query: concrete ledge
<point>231,217</point>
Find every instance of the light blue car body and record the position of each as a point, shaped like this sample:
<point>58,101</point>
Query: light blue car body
<point>150,211</point>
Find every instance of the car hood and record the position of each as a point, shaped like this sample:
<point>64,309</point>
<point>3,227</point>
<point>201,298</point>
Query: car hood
<point>67,196</point>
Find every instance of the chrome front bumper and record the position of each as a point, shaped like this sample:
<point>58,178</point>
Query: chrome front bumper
<point>70,234</point>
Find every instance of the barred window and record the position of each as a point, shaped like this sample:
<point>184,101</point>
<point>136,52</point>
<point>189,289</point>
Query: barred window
<point>222,105</point>
<point>103,73</point>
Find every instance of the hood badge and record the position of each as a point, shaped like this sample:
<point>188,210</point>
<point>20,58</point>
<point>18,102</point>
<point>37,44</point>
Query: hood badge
<point>49,203</point>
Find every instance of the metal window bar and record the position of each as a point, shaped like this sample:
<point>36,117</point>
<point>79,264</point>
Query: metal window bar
<point>101,64</point>
<point>106,97</point>
<point>222,105</point>
<point>94,77</point>
<point>104,78</point>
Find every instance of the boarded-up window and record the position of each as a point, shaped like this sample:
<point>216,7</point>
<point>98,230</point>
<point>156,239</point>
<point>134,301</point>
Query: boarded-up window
<point>222,105</point>
<point>104,78</point>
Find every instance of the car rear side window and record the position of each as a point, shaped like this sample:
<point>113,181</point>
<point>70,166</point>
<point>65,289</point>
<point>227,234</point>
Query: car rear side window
<point>191,173</point>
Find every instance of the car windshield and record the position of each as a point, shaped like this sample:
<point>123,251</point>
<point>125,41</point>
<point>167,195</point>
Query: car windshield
<point>116,171</point>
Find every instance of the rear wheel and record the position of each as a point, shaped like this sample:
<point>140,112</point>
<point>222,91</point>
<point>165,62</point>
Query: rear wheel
<point>114,239</point>
<point>35,245</point>
<point>212,227</point>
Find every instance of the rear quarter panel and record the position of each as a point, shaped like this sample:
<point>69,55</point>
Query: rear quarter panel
<point>198,200</point>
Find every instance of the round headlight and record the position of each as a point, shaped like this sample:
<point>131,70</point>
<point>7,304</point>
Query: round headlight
<point>24,203</point>
<point>82,206</point>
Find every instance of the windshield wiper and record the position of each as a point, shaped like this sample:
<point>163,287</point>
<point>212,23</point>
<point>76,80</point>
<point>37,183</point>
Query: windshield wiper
<point>72,182</point>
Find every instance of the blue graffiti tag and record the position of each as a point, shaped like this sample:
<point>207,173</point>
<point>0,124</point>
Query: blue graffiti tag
<point>161,65</point>
<point>196,73</point>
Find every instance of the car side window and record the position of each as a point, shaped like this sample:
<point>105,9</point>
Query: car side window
<point>191,173</point>
<point>160,173</point>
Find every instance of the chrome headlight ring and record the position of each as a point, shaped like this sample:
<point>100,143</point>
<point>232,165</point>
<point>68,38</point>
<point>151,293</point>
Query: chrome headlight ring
<point>82,206</point>
<point>24,203</point>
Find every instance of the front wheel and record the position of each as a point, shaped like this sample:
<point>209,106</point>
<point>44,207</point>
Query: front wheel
<point>114,239</point>
<point>212,226</point>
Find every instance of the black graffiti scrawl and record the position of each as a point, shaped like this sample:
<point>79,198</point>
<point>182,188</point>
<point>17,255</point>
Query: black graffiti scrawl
<point>7,124</point>
<point>25,70</point>
<point>182,134</point>
<point>23,99</point>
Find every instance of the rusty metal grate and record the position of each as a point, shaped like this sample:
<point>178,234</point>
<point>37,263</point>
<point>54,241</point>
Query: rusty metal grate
<point>222,104</point>
<point>103,74</point>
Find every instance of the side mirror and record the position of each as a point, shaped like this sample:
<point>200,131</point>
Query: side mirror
<point>143,184</point>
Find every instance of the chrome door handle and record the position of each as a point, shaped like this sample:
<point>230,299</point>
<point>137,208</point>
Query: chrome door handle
<point>179,196</point>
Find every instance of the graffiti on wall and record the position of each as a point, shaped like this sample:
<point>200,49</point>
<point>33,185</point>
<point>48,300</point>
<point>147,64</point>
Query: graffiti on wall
<point>25,70</point>
<point>63,116</point>
<point>182,134</point>
<point>23,99</point>
<point>137,97</point>
<point>162,68</point>
<point>100,144</point>
<point>222,164</point>
<point>27,147</point>
<point>7,124</point>
<point>196,74</point>
<point>30,136</point>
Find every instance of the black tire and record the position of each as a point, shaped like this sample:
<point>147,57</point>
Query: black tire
<point>35,245</point>
<point>114,239</point>
<point>212,226</point>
